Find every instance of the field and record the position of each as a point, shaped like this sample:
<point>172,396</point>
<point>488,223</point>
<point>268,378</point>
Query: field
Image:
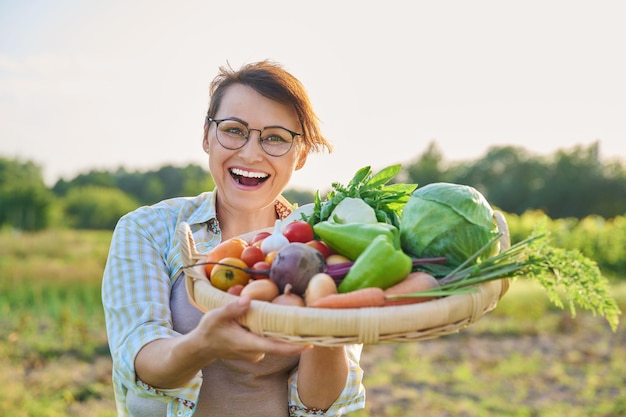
<point>526,358</point>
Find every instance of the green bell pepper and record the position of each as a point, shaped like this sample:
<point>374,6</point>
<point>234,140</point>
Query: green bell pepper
<point>351,239</point>
<point>380,265</point>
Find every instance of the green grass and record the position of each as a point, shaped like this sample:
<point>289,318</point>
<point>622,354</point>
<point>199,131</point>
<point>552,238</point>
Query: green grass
<point>52,340</point>
<point>525,358</point>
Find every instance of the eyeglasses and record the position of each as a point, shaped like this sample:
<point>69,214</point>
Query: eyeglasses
<point>234,134</point>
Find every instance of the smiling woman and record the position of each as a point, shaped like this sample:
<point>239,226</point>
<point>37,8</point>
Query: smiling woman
<point>171,359</point>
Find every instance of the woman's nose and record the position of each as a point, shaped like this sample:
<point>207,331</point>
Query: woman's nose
<point>252,150</point>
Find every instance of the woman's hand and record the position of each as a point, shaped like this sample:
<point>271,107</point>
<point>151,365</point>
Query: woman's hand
<point>221,336</point>
<point>171,362</point>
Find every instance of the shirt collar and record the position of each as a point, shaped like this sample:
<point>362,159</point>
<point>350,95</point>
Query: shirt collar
<point>206,212</point>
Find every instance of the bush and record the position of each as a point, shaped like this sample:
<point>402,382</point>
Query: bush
<point>95,207</point>
<point>603,240</point>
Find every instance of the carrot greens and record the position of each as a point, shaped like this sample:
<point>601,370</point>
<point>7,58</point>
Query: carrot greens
<point>568,277</point>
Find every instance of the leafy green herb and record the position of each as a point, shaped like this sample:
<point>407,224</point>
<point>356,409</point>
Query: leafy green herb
<point>565,275</point>
<point>387,200</point>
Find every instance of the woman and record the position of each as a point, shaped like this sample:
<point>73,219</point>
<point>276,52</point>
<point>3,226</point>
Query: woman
<point>169,359</point>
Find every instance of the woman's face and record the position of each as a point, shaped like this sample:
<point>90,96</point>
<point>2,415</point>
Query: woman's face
<point>248,178</point>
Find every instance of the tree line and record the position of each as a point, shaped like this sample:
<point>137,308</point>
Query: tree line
<point>572,183</point>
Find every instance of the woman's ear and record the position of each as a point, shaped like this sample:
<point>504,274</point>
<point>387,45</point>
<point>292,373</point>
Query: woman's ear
<point>301,159</point>
<point>205,138</point>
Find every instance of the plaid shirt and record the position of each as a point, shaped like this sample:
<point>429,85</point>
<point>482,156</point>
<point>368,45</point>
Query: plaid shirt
<point>144,262</point>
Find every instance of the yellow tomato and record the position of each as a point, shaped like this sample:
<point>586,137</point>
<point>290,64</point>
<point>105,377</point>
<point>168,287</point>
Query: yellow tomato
<point>336,259</point>
<point>269,258</point>
<point>228,273</point>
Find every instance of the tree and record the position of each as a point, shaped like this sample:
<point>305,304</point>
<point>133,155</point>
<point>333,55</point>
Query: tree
<point>574,183</point>
<point>93,207</point>
<point>508,176</point>
<point>298,196</point>
<point>93,177</point>
<point>571,183</point>
<point>612,185</point>
<point>196,180</point>
<point>426,168</point>
<point>146,187</point>
<point>25,201</point>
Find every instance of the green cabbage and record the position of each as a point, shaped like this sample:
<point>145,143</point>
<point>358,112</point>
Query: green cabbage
<point>445,219</point>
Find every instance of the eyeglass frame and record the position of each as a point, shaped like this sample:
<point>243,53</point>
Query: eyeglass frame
<point>209,119</point>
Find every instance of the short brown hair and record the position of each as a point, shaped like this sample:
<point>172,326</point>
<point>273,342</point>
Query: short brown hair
<point>271,80</point>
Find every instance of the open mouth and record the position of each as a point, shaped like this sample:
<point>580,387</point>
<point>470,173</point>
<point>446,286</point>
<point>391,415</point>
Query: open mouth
<point>248,177</point>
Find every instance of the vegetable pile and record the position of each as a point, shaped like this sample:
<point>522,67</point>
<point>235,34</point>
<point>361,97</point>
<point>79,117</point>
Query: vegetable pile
<point>374,244</point>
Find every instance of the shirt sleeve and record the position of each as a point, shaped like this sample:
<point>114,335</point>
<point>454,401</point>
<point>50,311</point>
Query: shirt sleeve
<point>135,293</point>
<point>352,397</point>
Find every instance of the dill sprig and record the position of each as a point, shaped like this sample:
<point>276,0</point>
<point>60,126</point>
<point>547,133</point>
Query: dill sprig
<point>568,277</point>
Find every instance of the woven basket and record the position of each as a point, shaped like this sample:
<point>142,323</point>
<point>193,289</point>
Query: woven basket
<point>336,327</point>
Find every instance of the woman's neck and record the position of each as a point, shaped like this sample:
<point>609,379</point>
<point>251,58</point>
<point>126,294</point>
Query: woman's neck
<point>236,223</point>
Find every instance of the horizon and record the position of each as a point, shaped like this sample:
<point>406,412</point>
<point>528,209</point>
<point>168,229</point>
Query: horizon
<point>323,187</point>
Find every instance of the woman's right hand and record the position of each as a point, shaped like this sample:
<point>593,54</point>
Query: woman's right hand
<point>222,337</point>
<point>171,362</point>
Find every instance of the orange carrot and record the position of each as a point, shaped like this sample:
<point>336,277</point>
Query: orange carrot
<point>365,297</point>
<point>413,283</point>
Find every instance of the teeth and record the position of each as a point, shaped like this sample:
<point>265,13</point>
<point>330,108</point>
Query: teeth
<point>248,174</point>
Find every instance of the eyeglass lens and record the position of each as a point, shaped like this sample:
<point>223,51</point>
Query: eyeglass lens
<point>275,141</point>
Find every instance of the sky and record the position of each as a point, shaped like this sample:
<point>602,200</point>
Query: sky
<point>124,83</point>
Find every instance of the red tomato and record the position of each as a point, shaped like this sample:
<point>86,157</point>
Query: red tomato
<point>235,289</point>
<point>261,266</point>
<point>252,255</point>
<point>259,237</point>
<point>321,247</point>
<point>299,231</point>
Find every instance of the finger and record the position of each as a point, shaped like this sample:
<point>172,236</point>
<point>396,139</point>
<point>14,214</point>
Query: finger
<point>223,320</point>
<point>266,344</point>
<point>235,309</point>
<point>249,346</point>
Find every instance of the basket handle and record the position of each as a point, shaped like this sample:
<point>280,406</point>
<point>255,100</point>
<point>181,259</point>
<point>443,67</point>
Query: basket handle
<point>503,227</point>
<point>187,244</point>
<point>189,255</point>
<point>505,242</point>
